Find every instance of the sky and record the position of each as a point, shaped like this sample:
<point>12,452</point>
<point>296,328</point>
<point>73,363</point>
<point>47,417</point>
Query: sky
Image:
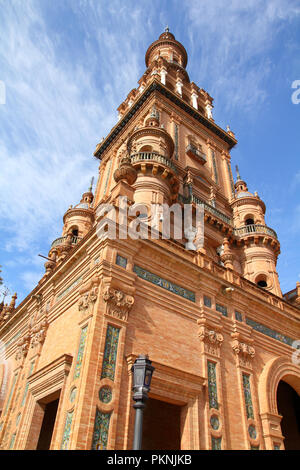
<point>65,67</point>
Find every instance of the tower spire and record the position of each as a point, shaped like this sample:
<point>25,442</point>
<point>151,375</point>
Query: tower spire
<point>91,185</point>
<point>237,173</point>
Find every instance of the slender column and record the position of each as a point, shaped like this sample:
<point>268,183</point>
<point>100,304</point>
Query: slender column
<point>138,424</point>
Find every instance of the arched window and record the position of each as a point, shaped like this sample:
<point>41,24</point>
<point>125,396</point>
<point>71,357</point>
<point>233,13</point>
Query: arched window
<point>261,281</point>
<point>145,148</point>
<point>249,221</point>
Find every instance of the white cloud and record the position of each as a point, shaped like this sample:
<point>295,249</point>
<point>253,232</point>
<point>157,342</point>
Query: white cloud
<point>233,40</point>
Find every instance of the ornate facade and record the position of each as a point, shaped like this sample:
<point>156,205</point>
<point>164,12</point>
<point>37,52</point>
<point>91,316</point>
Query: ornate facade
<point>213,319</point>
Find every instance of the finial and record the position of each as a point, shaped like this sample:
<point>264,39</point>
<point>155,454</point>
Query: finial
<point>238,173</point>
<point>167,29</point>
<point>91,186</point>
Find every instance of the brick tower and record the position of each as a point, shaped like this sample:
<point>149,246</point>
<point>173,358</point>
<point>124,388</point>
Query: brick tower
<point>212,319</point>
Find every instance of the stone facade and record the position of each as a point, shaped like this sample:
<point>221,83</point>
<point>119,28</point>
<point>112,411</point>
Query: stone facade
<point>213,320</point>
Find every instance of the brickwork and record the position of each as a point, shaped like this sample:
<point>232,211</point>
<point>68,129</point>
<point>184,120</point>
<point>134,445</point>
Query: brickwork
<point>79,331</point>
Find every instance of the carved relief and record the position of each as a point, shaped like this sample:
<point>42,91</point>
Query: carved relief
<point>22,347</point>
<point>211,338</point>
<point>88,296</point>
<point>118,303</point>
<point>38,333</point>
<point>87,300</point>
<point>244,352</point>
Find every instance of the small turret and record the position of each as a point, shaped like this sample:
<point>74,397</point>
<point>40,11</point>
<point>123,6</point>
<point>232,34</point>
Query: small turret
<point>259,246</point>
<point>78,220</point>
<point>151,149</point>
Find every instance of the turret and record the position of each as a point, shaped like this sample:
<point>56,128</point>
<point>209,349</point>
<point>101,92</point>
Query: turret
<point>151,149</point>
<point>78,220</point>
<point>259,246</point>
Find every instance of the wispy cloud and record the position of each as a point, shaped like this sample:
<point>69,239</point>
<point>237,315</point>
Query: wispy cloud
<point>233,41</point>
<point>63,85</point>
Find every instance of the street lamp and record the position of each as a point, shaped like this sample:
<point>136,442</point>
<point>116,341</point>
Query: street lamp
<point>142,374</point>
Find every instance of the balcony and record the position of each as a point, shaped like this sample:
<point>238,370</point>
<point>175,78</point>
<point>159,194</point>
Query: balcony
<point>193,152</point>
<point>62,241</point>
<point>249,229</point>
<point>152,157</point>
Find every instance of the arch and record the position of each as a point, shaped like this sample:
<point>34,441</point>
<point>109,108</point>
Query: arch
<point>146,148</point>
<point>277,369</point>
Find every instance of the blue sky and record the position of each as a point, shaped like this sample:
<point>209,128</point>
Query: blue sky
<point>68,64</point>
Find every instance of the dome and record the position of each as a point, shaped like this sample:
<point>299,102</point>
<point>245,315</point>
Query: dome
<point>167,40</point>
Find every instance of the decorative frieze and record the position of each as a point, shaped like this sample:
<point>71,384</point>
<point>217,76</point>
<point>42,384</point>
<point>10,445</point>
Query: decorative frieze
<point>158,281</point>
<point>118,303</point>
<point>269,332</point>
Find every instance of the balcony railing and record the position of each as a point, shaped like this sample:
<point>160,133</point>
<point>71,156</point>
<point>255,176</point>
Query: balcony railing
<point>62,240</point>
<point>257,228</point>
<point>193,152</point>
<point>154,157</point>
<point>211,209</point>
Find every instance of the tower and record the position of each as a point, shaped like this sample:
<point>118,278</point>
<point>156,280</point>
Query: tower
<point>210,316</point>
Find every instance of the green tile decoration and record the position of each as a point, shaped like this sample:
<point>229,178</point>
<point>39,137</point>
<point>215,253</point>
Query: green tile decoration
<point>238,316</point>
<point>252,431</point>
<point>12,442</point>
<point>67,431</point>
<point>216,443</point>
<point>110,352</point>
<point>269,332</point>
<point>212,385</point>
<point>207,301</point>
<point>101,428</point>
<point>80,352</point>
<point>247,396</point>
<point>214,422</point>
<point>158,281</point>
<point>11,392</point>
<point>105,394</point>
<point>121,261</point>
<point>27,384</point>
<point>222,309</point>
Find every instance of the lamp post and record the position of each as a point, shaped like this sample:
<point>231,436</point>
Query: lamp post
<point>142,374</point>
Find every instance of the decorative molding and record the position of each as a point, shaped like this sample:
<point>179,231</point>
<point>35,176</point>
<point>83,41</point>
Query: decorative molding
<point>210,336</point>
<point>38,334</point>
<point>87,301</point>
<point>243,350</point>
<point>118,303</point>
<point>164,284</point>
<point>22,347</point>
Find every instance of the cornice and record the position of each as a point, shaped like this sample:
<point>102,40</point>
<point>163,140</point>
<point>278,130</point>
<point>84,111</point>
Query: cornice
<point>155,86</point>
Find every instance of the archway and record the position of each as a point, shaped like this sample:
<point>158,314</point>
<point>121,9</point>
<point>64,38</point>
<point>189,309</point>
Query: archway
<point>288,404</point>
<point>277,370</point>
